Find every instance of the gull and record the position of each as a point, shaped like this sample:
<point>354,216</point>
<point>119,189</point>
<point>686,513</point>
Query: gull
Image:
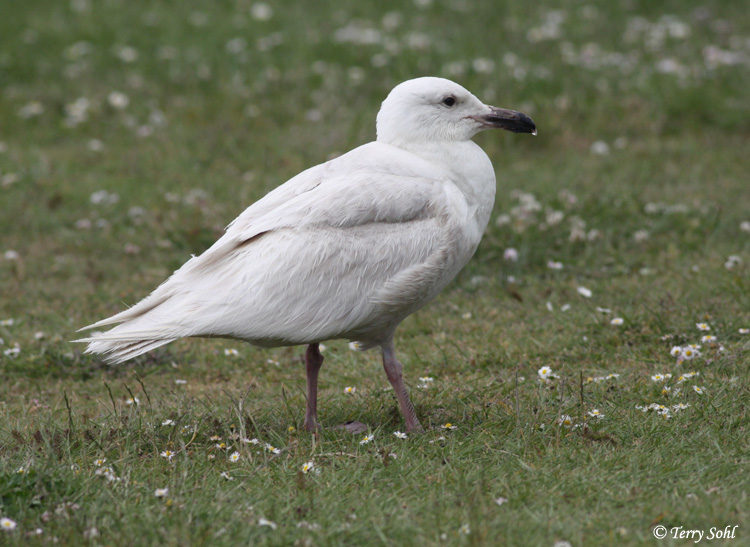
<point>344,250</point>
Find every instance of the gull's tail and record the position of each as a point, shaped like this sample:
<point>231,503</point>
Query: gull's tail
<point>142,328</point>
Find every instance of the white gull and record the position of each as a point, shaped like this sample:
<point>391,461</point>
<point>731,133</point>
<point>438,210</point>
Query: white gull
<point>346,249</point>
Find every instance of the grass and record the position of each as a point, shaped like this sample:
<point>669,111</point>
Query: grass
<point>224,105</point>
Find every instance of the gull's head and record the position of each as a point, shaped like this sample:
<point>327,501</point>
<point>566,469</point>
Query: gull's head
<point>439,110</point>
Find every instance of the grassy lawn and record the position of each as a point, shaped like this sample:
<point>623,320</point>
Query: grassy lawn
<point>132,132</point>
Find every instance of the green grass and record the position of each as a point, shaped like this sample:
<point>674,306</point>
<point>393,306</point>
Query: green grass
<point>207,131</point>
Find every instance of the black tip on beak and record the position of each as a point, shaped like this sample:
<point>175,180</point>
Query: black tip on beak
<point>510,120</point>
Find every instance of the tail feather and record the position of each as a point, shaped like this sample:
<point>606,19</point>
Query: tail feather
<point>120,350</point>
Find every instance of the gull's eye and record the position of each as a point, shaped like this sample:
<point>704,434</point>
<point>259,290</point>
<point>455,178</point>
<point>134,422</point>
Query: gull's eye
<point>449,101</point>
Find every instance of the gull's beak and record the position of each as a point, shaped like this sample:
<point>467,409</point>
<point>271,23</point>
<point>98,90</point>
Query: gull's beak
<point>510,120</point>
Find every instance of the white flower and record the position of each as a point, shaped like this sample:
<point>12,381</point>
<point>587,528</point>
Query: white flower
<point>501,500</point>
<point>180,382</point>
<point>600,148</point>
<point>226,475</point>
<point>732,261</point>
<point>29,110</point>
<point>703,326</point>
<point>126,54</point>
<point>307,467</point>
<point>565,420</point>
<point>708,338</point>
<point>661,377</point>
<point>231,352</point>
<point>355,346</point>
<point>744,331</point>
<point>7,524</point>
<point>554,265</point>
<point>366,439</point>
<point>234,457</point>
<point>617,321</point>
<point>594,413</point>
<point>118,100</point>
<point>583,291</point>
<point>7,322</point>
<point>12,352</point>
<point>464,530</point>
<point>261,11</point>
<point>699,390</point>
<point>350,390</point>
<point>545,373</point>
<point>266,522</point>
<point>161,492</point>
<point>510,254</point>
<point>133,401</point>
<point>168,422</point>
<point>167,454</point>
<point>399,434</point>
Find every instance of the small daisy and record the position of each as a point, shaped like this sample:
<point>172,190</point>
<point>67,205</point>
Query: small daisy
<point>133,401</point>
<point>161,492</point>
<point>399,434</point>
<point>180,382</point>
<point>21,470</point>
<point>708,339</point>
<point>554,265</point>
<point>7,524</point>
<point>565,420</point>
<point>703,326</point>
<point>425,381</point>
<point>265,522</point>
<point>594,413</point>
<point>167,422</point>
<point>545,373</point>
<point>501,500</point>
<point>214,438</point>
<point>99,462</point>
<point>617,321</point>
<point>272,449</point>
<point>355,346</point>
<point>661,377</point>
<point>226,475</point>
<point>680,406</point>
<point>235,457</point>
<point>448,426</point>
<point>167,454</point>
<point>350,390</point>
<point>744,331</point>
<point>7,322</point>
<point>689,352</point>
<point>366,439</point>
<point>699,390</point>
<point>465,530</point>
<point>307,467</point>
<point>583,291</point>
<point>231,352</point>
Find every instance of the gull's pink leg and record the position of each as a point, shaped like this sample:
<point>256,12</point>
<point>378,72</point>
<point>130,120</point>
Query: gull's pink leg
<point>393,369</point>
<point>313,362</point>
